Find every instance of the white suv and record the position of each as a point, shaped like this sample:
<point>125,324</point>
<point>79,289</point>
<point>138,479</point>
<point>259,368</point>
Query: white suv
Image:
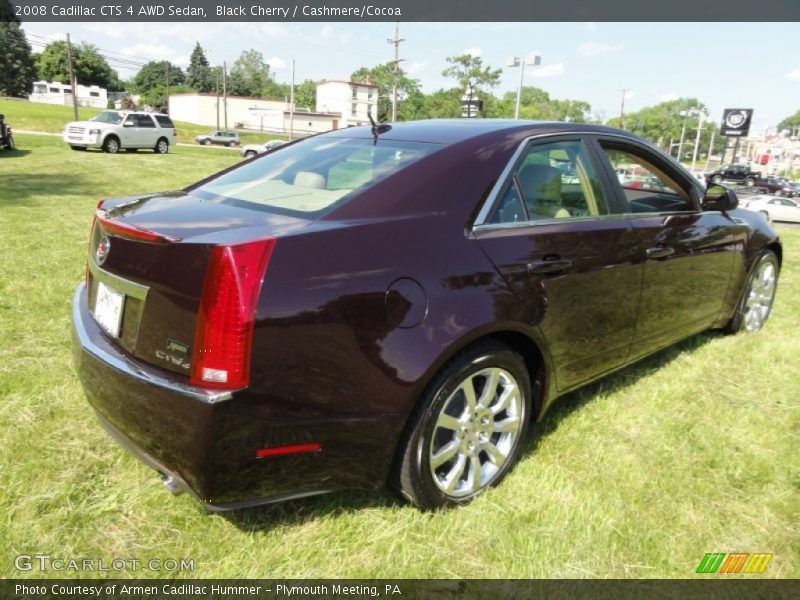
<point>114,130</point>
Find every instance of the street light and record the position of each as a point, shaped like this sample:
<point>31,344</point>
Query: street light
<point>517,61</point>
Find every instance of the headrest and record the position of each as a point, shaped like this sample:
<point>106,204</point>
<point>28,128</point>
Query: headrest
<point>310,180</point>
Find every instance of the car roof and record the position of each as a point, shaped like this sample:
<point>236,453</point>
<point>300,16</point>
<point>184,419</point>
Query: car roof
<point>450,131</point>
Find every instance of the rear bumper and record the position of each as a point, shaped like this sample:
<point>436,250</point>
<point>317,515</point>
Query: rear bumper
<point>205,441</point>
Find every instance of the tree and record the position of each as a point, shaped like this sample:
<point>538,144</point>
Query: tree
<point>383,76</point>
<point>17,71</point>
<point>305,95</point>
<point>249,74</point>
<point>662,124</point>
<point>198,74</point>
<point>443,104</point>
<point>790,123</point>
<point>154,74</point>
<point>471,75</point>
<point>89,66</point>
<point>156,96</point>
<point>536,103</point>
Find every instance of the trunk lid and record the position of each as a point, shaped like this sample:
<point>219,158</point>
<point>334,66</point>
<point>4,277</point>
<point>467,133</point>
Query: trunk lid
<point>147,263</point>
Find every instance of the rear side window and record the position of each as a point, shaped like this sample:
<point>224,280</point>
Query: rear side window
<point>552,181</point>
<point>310,177</point>
<point>164,121</point>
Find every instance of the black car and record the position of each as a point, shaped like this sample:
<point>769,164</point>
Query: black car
<point>777,186</point>
<point>737,173</point>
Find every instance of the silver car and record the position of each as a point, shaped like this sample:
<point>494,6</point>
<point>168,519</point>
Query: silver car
<point>251,150</point>
<point>774,208</point>
<point>222,138</point>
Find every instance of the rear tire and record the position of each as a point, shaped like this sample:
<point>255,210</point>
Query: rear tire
<point>749,182</point>
<point>232,144</point>
<point>458,442</point>
<point>10,143</point>
<point>758,295</point>
<point>162,146</point>
<point>111,144</point>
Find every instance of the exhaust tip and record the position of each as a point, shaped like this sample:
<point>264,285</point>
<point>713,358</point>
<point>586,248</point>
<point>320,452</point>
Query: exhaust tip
<point>172,485</point>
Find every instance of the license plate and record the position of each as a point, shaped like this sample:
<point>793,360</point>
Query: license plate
<point>108,309</point>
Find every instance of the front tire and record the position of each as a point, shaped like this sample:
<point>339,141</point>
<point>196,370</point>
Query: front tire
<point>10,144</point>
<point>232,144</point>
<point>758,295</point>
<point>249,154</point>
<point>716,179</point>
<point>206,142</point>
<point>111,145</point>
<point>468,429</point>
<point>749,182</point>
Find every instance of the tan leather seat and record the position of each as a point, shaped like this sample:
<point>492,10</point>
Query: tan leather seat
<point>309,179</point>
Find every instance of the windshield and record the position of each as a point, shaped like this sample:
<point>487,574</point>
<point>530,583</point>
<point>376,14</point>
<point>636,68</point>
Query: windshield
<point>310,177</point>
<point>108,116</point>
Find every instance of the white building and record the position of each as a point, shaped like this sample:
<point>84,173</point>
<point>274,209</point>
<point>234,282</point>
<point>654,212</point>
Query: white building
<point>54,92</point>
<point>272,116</point>
<point>354,101</point>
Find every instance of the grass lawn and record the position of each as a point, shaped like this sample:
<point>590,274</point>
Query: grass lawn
<point>694,450</point>
<point>50,118</point>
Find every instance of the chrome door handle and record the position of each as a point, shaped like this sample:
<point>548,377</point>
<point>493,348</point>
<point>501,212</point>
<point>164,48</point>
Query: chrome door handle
<point>659,252</point>
<point>545,267</point>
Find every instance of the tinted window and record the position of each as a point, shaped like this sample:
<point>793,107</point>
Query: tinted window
<point>646,186</point>
<point>164,121</point>
<point>308,178</point>
<point>553,181</point>
<point>146,121</point>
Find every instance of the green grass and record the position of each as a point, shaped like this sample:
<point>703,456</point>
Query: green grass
<point>49,118</point>
<point>694,450</point>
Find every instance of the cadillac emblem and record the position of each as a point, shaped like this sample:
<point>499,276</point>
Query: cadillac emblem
<point>103,248</point>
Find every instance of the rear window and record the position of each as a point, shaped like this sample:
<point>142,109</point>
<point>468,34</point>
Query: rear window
<point>309,178</point>
<point>164,121</point>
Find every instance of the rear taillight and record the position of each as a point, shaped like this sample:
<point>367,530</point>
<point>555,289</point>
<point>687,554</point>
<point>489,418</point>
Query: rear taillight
<point>174,133</point>
<point>222,340</point>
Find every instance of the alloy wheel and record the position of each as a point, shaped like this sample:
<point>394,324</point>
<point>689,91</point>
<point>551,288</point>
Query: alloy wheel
<point>476,432</point>
<point>760,295</point>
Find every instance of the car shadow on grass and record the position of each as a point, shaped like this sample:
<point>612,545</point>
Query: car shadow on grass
<point>25,189</point>
<point>305,510</point>
<point>16,153</point>
<point>564,406</point>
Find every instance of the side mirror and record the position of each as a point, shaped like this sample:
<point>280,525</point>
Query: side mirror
<point>718,197</point>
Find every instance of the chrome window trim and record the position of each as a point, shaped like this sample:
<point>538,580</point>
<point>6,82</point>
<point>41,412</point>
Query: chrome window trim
<point>480,223</point>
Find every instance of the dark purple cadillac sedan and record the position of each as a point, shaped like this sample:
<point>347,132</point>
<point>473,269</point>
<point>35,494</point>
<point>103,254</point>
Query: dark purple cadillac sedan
<point>396,305</point>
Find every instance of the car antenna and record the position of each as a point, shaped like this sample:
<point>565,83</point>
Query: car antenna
<point>376,128</point>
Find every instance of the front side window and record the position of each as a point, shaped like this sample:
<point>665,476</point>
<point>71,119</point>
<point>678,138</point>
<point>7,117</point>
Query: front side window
<point>310,177</point>
<point>146,121</point>
<point>645,186</point>
<point>552,181</point>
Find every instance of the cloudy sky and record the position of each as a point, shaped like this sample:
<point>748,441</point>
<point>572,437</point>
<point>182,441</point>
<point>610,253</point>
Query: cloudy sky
<point>724,65</point>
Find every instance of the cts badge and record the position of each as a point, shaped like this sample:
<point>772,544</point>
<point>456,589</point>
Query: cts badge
<point>103,248</point>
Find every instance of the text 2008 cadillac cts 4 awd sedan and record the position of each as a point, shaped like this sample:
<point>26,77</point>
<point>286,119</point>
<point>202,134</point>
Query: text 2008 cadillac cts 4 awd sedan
<point>397,305</point>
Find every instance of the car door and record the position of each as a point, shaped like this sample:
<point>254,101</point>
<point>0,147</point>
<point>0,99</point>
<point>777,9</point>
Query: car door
<point>549,230</point>
<point>147,132</point>
<point>129,134</point>
<point>689,254</point>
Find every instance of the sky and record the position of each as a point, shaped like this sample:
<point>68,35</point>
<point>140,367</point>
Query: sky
<point>724,65</point>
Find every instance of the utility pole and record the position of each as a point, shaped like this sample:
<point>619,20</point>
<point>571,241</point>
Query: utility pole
<point>216,74</point>
<point>395,41</point>
<point>710,148</point>
<point>168,65</point>
<point>225,92</point>
<point>697,141</point>
<point>72,81</point>
<point>622,109</point>
<point>291,107</point>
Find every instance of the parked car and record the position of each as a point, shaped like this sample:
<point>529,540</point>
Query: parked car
<point>774,208</point>
<point>776,186</point>
<point>397,303</point>
<point>115,130</point>
<point>251,150</point>
<point>6,137</point>
<point>223,138</point>
<point>737,173</point>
